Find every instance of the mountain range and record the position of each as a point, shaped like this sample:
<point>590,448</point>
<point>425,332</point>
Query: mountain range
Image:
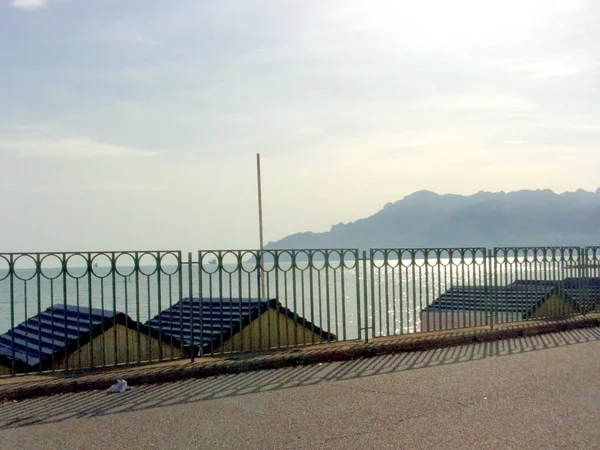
<point>485,219</point>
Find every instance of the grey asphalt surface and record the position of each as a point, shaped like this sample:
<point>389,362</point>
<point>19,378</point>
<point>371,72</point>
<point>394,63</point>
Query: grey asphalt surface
<point>539,392</point>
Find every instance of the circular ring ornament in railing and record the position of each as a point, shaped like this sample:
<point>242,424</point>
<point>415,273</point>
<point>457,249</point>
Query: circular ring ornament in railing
<point>534,255</point>
<point>301,260</point>
<point>284,261</point>
<point>19,272</point>
<point>5,267</point>
<point>102,265</point>
<point>552,255</point>
<point>458,257</point>
<point>333,259</point>
<point>249,261</point>
<point>479,256</point>
<point>148,263</point>
<point>317,260</point>
<point>521,256</point>
<point>124,264</point>
<point>210,262</point>
<point>229,268</point>
<point>169,263</point>
<point>350,256</point>
<point>406,257</point>
<point>378,258</point>
<point>392,258</point>
<point>51,266</point>
<point>74,262</point>
<point>419,257</point>
<point>574,254</point>
<point>266,261</point>
<point>445,256</point>
<point>510,255</point>
<point>433,257</point>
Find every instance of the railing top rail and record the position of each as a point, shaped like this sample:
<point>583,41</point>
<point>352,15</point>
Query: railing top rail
<point>85,252</point>
<point>395,249</point>
<point>541,247</point>
<point>280,250</point>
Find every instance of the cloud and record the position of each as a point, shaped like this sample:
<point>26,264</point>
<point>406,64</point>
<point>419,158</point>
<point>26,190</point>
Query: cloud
<point>584,127</point>
<point>76,189</point>
<point>71,148</point>
<point>552,67</point>
<point>498,102</point>
<point>30,5</point>
<point>311,130</point>
<point>117,34</point>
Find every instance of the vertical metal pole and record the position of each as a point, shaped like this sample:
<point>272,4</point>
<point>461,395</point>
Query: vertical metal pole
<point>260,223</point>
<point>138,318</point>
<point>89,280</point>
<point>373,314</point>
<point>159,297</point>
<point>357,282</point>
<point>191,297</point>
<point>201,308</point>
<point>38,270</point>
<point>490,283</point>
<point>64,280</point>
<point>366,295</point>
<point>11,269</point>
<point>582,284</point>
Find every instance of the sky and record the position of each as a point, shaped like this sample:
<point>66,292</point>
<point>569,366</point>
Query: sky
<point>135,124</point>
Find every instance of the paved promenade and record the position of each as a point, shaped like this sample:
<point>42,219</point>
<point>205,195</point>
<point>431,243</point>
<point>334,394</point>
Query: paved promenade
<point>532,392</point>
<point>22,387</point>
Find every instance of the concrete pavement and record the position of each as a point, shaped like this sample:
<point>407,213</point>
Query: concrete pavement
<point>40,385</point>
<point>534,392</point>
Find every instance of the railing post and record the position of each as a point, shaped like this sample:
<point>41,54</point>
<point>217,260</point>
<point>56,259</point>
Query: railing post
<point>584,294</point>
<point>190,296</point>
<point>366,296</point>
<point>490,269</point>
<point>11,269</point>
<point>372,278</point>
<point>201,306</point>
<point>357,281</point>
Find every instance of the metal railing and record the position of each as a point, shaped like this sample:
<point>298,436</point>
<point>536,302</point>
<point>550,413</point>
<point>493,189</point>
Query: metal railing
<point>77,310</point>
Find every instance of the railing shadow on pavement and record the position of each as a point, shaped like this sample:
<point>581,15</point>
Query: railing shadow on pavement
<point>63,407</point>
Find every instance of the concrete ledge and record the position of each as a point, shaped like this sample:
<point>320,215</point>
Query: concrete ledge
<point>15,391</point>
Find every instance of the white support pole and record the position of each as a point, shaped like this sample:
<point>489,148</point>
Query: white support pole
<point>260,225</point>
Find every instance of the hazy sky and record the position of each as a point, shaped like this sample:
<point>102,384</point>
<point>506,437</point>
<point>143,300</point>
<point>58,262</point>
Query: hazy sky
<point>135,123</point>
